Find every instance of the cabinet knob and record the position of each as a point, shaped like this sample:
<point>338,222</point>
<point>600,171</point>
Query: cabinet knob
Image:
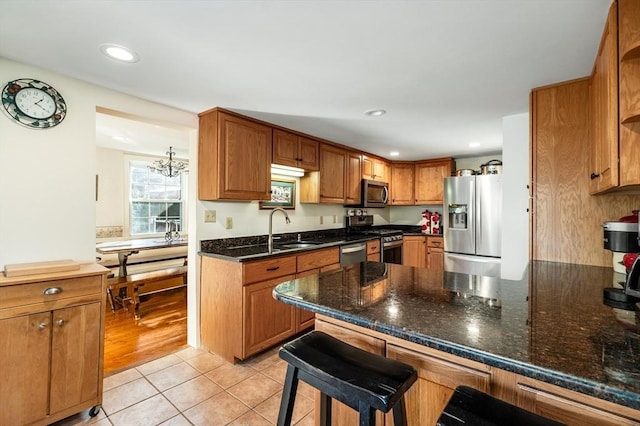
<point>52,290</point>
<point>60,322</point>
<point>594,176</point>
<point>43,325</point>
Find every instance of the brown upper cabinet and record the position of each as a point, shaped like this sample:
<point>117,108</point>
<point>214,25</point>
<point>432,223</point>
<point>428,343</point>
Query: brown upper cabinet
<point>354,173</point>
<point>328,184</point>
<point>401,185</point>
<point>375,169</point>
<point>234,158</point>
<point>614,159</point>
<point>295,151</point>
<point>429,175</point>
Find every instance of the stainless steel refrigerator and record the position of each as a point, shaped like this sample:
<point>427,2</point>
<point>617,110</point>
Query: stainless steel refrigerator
<point>472,218</point>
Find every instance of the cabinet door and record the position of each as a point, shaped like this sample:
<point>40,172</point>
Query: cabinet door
<point>429,183</point>
<point>401,185</point>
<point>245,159</point>
<point>435,258</point>
<point>24,357</point>
<point>437,379</point>
<point>75,356</point>
<point>603,153</point>
<point>354,178</point>
<point>266,321</point>
<point>375,169</point>
<point>285,148</point>
<point>413,251</point>
<point>308,154</point>
<point>332,174</point>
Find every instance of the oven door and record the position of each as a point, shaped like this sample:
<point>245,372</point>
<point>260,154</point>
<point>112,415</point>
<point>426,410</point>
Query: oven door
<point>392,252</point>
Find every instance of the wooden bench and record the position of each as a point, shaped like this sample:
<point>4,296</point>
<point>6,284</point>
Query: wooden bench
<point>126,291</point>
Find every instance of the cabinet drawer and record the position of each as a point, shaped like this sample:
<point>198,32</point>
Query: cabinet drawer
<point>271,268</point>
<point>373,247</point>
<point>434,242</point>
<point>318,258</point>
<point>33,293</point>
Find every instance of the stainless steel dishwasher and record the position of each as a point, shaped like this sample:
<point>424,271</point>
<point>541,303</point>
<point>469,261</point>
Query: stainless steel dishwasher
<point>353,253</point>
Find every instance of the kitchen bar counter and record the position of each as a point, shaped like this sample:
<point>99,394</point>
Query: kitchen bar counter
<point>551,326</point>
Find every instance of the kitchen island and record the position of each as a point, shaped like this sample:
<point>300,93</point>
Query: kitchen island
<point>546,343</point>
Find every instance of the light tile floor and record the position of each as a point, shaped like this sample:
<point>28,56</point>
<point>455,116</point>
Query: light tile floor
<point>195,387</point>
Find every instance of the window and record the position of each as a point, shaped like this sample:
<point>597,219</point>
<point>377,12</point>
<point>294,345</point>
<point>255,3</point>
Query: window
<point>154,200</point>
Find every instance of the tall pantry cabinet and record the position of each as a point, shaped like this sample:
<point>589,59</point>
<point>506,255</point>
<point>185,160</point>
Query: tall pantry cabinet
<point>52,333</point>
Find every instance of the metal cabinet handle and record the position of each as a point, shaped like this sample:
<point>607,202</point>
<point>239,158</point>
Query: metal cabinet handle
<point>43,325</point>
<point>60,322</point>
<point>52,290</point>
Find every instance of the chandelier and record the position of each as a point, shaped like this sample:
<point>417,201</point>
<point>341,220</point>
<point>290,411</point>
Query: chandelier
<point>170,168</point>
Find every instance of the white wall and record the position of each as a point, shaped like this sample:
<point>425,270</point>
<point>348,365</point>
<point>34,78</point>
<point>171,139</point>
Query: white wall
<point>110,204</point>
<point>515,196</point>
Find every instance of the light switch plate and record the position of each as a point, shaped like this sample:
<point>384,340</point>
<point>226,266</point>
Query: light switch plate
<point>229,223</point>
<point>210,216</point>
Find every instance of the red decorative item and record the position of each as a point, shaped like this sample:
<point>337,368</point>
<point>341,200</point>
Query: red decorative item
<point>426,226</point>
<point>630,219</point>
<point>628,260</point>
<point>435,223</point>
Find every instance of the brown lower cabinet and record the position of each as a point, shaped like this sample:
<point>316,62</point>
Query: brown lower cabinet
<point>439,373</point>
<point>52,332</point>
<point>239,316</point>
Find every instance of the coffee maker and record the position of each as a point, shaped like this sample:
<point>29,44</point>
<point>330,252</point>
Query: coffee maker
<point>623,238</point>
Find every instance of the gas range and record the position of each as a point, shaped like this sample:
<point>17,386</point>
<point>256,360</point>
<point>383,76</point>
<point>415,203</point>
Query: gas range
<point>386,235</point>
<point>363,225</point>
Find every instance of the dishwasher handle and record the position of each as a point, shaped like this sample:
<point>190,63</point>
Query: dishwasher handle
<point>353,249</point>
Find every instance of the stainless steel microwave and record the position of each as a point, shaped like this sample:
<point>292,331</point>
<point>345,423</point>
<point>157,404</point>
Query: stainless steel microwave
<point>374,193</point>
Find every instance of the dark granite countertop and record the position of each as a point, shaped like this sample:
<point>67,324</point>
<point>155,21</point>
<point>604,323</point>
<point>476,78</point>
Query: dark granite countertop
<point>551,326</point>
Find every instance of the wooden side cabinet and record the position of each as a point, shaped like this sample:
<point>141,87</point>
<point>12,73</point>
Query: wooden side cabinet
<point>52,333</point>
<point>429,183</point>
<point>435,253</point>
<point>401,185</point>
<point>234,157</point>
<point>414,251</point>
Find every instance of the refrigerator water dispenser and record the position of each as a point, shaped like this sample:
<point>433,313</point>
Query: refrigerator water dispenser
<point>458,216</point>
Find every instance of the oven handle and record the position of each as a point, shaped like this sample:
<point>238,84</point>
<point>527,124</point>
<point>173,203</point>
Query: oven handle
<point>392,244</point>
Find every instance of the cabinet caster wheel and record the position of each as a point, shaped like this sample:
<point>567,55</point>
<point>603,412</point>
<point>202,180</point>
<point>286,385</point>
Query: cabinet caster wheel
<point>94,410</point>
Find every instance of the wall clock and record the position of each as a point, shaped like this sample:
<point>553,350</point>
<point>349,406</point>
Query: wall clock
<point>33,103</point>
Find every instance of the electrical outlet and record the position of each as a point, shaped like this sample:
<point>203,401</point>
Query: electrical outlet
<point>321,220</point>
<point>229,223</point>
<point>210,216</point>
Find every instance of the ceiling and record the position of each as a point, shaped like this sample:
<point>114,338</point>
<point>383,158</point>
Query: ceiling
<point>446,71</point>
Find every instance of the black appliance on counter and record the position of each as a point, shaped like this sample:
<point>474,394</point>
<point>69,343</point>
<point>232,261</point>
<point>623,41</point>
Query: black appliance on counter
<point>390,239</point>
<point>623,237</point>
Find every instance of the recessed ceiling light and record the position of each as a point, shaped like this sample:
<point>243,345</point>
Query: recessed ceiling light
<point>394,153</point>
<point>375,112</point>
<point>474,144</point>
<point>119,53</point>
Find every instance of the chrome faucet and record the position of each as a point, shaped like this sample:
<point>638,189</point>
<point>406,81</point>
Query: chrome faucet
<point>286,216</point>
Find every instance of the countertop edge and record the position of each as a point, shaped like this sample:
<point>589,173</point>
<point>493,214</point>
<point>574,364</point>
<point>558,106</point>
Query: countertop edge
<point>584,386</point>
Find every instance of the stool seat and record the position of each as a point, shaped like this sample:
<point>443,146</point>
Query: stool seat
<point>469,406</point>
<point>359,379</point>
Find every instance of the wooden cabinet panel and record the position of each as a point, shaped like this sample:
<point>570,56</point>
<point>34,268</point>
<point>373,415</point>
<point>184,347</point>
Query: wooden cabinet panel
<point>603,154</point>
<point>435,253</point>
<point>414,251</point>
<point>24,355</point>
<point>375,169</point>
<point>373,247</point>
<point>75,356</point>
<point>270,268</point>
<point>567,410</point>
<point>429,184</point>
<point>354,178</point>
<point>332,174</point>
<point>34,293</point>
<point>437,379</point>
<point>234,158</point>
<point>402,184</point>
<point>318,258</point>
<point>296,151</point>
<point>266,321</point>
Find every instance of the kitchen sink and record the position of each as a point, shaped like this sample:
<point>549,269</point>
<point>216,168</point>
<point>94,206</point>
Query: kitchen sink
<point>296,245</point>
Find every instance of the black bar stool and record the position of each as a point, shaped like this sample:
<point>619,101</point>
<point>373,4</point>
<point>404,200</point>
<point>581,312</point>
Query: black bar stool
<point>469,406</point>
<point>364,381</point>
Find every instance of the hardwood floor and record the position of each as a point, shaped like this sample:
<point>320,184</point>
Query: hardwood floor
<point>162,329</point>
